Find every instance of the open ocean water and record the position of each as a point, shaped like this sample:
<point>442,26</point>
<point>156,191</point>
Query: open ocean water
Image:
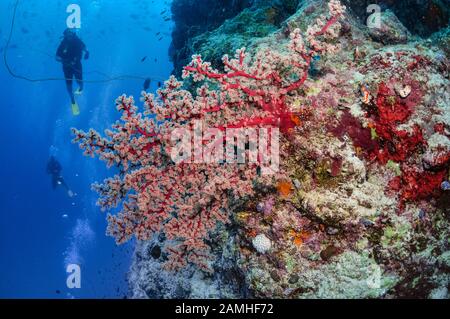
<point>42,229</point>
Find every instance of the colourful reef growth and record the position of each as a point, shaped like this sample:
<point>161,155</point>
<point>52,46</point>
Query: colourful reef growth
<point>187,199</point>
<point>358,213</point>
<point>389,112</point>
<point>414,185</point>
<point>361,136</point>
<point>391,137</point>
<point>389,143</point>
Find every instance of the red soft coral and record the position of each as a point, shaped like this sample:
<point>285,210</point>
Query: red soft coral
<point>403,146</point>
<point>391,111</point>
<point>415,184</point>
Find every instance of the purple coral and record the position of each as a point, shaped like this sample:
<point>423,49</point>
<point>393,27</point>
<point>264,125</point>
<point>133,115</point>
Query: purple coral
<point>268,206</point>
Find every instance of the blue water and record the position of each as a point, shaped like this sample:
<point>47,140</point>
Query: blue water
<point>42,229</point>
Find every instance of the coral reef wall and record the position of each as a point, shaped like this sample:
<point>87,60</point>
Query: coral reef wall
<point>360,208</point>
<point>421,17</point>
<point>194,17</point>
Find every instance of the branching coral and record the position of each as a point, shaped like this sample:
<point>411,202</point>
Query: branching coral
<point>186,200</point>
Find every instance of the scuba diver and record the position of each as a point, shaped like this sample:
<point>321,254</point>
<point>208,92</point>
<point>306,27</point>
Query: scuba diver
<point>54,168</point>
<point>69,53</point>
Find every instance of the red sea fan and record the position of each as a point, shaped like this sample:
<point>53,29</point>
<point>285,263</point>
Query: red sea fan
<point>186,200</point>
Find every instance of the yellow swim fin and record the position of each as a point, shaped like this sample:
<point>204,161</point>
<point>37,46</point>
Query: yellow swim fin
<point>75,109</point>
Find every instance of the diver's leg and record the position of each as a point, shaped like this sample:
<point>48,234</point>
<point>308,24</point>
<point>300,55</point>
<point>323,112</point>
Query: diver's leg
<point>69,89</point>
<point>68,75</point>
<point>54,181</point>
<point>63,183</point>
<point>78,72</point>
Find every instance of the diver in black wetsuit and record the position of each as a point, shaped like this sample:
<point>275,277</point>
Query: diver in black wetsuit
<point>70,53</point>
<point>54,168</point>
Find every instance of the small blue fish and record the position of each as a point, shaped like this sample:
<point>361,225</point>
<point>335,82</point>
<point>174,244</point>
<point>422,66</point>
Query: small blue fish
<point>367,223</point>
<point>422,214</point>
<point>260,207</point>
<point>445,186</point>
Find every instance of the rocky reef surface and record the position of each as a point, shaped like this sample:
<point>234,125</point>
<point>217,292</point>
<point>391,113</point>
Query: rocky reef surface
<point>195,17</point>
<point>365,211</point>
<point>241,21</point>
<point>195,20</point>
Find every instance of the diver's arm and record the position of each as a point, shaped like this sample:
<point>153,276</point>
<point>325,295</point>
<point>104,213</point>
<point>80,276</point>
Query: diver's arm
<point>84,49</point>
<point>58,56</point>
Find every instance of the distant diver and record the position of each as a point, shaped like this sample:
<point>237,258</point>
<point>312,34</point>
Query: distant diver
<point>69,53</point>
<point>54,168</point>
<point>147,84</point>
